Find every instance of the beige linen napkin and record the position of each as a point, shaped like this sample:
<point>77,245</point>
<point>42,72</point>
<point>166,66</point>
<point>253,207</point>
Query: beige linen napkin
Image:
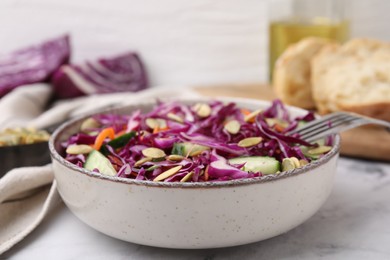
<point>26,196</point>
<point>23,104</point>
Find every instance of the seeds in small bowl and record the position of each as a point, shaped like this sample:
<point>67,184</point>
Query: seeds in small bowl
<point>22,135</point>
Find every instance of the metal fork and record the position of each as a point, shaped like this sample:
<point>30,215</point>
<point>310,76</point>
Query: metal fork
<point>334,123</point>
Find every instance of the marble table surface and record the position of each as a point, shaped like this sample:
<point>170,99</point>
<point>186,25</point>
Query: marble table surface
<point>354,223</point>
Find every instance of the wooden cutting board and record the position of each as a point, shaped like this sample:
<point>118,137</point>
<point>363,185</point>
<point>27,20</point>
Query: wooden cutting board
<point>363,142</point>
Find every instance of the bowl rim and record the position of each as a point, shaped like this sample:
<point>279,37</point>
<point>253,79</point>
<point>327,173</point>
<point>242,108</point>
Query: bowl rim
<point>238,182</point>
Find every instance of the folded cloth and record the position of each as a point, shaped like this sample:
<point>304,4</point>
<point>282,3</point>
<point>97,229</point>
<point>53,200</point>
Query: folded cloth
<point>25,198</point>
<point>22,104</point>
<point>24,202</point>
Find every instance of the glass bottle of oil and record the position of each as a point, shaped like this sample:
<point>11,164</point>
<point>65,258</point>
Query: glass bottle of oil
<point>297,19</point>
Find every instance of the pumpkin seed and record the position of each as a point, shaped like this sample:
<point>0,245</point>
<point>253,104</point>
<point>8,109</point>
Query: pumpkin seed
<point>250,141</point>
<point>202,109</point>
<point>175,157</point>
<point>153,153</point>
<point>151,123</point>
<point>195,153</point>
<point>88,124</point>
<point>79,149</point>
<point>303,162</point>
<point>233,127</point>
<point>195,149</point>
<point>175,117</point>
<point>276,121</point>
<point>155,123</point>
<point>152,168</point>
<point>29,139</point>
<point>320,150</point>
<point>10,140</point>
<point>252,115</point>
<point>42,135</point>
<point>295,161</point>
<point>187,177</point>
<point>142,161</point>
<point>168,173</point>
<point>288,164</point>
<point>162,123</point>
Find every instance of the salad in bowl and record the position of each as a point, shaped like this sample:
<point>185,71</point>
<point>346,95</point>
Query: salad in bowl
<point>193,173</point>
<point>205,141</point>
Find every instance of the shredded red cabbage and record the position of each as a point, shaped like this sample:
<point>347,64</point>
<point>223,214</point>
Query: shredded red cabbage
<point>171,126</point>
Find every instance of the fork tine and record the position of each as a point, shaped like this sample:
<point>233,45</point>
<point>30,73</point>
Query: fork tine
<point>318,122</point>
<point>329,124</point>
<point>333,123</point>
<point>312,124</point>
<point>312,136</point>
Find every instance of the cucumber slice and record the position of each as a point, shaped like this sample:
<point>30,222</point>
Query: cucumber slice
<point>305,149</point>
<point>263,164</point>
<point>96,160</point>
<point>118,142</point>
<point>121,140</point>
<point>190,149</point>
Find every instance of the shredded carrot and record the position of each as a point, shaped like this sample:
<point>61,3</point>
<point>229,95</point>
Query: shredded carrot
<point>279,128</point>
<point>245,111</point>
<point>159,129</point>
<point>206,173</point>
<point>156,129</point>
<point>106,132</point>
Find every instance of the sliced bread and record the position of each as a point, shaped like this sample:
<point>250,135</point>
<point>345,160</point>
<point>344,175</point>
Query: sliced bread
<point>353,77</point>
<point>292,72</point>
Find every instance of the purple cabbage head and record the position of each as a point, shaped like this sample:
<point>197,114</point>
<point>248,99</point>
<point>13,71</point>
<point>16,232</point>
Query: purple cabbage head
<point>33,64</point>
<point>118,74</point>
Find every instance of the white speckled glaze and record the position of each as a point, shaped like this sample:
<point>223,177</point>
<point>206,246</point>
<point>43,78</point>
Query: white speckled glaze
<point>193,215</point>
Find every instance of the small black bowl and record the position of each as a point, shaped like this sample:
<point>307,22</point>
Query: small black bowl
<point>36,154</point>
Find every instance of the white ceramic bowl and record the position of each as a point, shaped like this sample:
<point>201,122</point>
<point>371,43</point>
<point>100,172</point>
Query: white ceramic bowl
<point>193,215</point>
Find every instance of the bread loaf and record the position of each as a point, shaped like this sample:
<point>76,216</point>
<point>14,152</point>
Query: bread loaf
<point>292,72</point>
<point>353,77</point>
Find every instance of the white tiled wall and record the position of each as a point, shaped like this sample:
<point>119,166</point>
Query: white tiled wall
<point>370,18</point>
<point>181,42</point>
